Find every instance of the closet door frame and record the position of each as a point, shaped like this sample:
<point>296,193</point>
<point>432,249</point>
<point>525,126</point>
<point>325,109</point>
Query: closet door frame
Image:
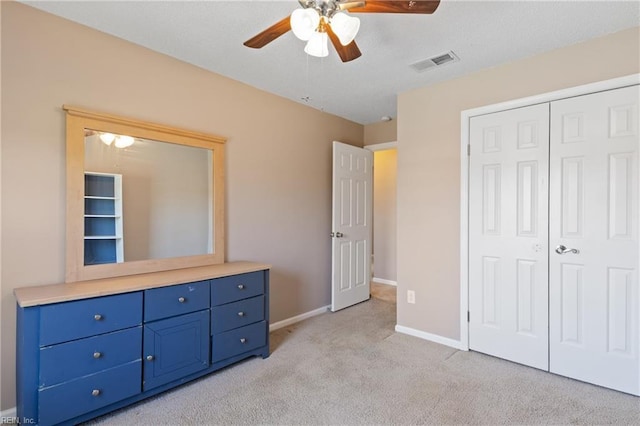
<point>466,116</point>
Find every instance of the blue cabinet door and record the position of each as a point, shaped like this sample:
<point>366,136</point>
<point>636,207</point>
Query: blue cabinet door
<point>175,348</point>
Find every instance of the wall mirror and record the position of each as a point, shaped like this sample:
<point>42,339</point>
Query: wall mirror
<point>141,197</point>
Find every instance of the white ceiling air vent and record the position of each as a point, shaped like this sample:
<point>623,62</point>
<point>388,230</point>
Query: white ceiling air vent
<point>435,61</point>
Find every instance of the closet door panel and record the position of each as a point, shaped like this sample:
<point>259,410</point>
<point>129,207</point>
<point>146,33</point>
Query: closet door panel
<point>508,247</point>
<point>593,293</point>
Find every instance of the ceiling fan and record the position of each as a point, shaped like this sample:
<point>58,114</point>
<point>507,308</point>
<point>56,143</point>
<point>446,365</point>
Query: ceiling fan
<point>319,20</point>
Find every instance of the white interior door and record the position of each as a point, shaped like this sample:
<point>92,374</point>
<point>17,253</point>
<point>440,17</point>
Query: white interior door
<point>594,333</point>
<point>351,225</point>
<point>508,239</point>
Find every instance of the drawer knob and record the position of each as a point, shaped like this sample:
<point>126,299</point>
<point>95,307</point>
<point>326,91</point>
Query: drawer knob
<point>150,358</point>
<point>243,340</point>
<point>95,392</point>
<point>240,314</point>
<point>240,286</point>
<point>97,317</point>
<point>181,299</point>
<point>97,355</point>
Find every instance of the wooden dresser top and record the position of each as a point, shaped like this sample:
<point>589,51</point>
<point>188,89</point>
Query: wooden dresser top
<point>54,293</point>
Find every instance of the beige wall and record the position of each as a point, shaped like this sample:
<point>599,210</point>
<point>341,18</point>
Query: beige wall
<point>1,292</point>
<point>384,214</point>
<point>380,132</point>
<point>429,164</point>
<point>278,157</point>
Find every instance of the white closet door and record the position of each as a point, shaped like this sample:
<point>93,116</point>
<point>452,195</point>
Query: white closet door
<point>594,209</point>
<point>508,239</point>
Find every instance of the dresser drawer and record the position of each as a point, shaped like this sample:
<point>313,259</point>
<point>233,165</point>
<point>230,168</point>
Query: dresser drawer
<point>237,314</point>
<point>70,399</point>
<point>71,360</point>
<point>175,300</point>
<point>236,287</point>
<point>237,341</point>
<point>62,322</point>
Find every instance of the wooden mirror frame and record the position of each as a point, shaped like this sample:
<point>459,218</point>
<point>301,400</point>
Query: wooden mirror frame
<point>79,119</point>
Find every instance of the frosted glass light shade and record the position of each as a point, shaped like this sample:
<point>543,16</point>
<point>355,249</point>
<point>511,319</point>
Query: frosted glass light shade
<point>107,138</point>
<point>304,23</point>
<point>317,45</point>
<point>124,141</point>
<point>345,27</point>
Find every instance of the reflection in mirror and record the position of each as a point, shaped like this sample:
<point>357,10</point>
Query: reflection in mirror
<point>145,199</point>
<point>141,197</point>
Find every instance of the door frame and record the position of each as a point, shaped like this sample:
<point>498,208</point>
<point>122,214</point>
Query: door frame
<point>382,146</point>
<point>465,117</point>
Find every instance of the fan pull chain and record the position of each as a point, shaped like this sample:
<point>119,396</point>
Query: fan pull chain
<point>320,85</point>
<point>308,90</point>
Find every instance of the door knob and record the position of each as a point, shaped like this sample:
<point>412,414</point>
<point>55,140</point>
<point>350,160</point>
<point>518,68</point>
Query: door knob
<point>564,250</point>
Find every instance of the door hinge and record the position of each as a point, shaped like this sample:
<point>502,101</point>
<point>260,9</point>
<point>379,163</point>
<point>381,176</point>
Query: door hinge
<point>468,150</point>
<point>468,316</point>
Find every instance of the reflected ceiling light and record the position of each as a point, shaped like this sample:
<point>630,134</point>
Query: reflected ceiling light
<point>346,27</point>
<point>123,141</point>
<point>107,138</point>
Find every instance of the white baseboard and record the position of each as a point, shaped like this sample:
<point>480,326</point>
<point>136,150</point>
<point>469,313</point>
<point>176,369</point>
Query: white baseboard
<point>298,318</point>
<point>383,281</point>
<point>431,337</point>
<point>11,413</point>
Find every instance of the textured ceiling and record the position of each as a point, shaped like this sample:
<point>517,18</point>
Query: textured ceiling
<point>482,34</point>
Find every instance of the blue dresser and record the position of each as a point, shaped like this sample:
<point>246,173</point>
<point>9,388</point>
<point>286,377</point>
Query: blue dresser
<point>84,356</point>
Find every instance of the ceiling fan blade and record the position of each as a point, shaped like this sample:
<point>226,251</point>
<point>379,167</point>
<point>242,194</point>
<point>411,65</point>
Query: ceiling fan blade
<point>270,34</point>
<point>397,6</point>
<point>347,53</point>
<point>350,4</point>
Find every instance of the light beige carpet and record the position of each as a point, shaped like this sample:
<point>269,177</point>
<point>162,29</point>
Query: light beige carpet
<point>351,368</point>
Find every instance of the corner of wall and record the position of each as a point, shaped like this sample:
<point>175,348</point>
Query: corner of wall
<point>383,131</point>
<point>1,407</point>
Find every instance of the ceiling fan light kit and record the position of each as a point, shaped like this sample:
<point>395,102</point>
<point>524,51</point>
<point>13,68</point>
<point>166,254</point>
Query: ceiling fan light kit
<point>309,26</point>
<point>317,45</point>
<point>346,27</point>
<point>322,20</point>
<point>304,23</point>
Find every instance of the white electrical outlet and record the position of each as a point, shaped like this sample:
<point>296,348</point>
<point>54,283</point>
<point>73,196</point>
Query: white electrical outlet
<point>411,296</point>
